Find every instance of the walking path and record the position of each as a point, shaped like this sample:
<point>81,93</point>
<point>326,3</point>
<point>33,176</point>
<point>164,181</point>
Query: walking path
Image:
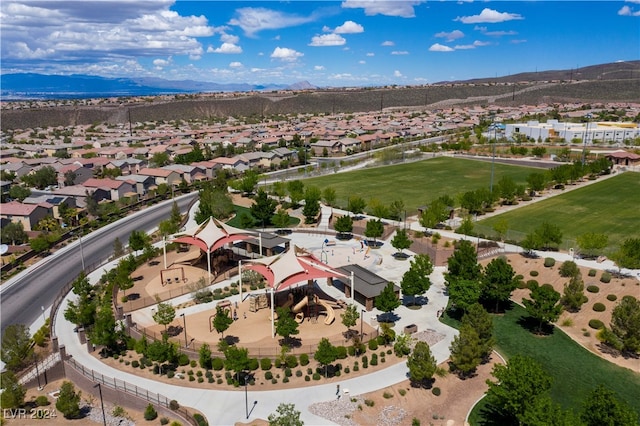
<point>227,406</point>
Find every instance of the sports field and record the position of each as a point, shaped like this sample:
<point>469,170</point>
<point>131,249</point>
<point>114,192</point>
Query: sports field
<point>611,207</point>
<point>418,183</point>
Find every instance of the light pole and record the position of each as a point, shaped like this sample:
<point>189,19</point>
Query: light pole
<point>81,251</point>
<point>361,322</point>
<point>184,319</point>
<point>44,318</point>
<point>104,417</point>
<point>493,157</point>
<point>246,397</point>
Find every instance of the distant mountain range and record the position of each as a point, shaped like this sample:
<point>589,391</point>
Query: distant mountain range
<point>43,86</point>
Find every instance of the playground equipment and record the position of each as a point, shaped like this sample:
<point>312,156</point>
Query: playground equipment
<point>328,310</point>
<point>257,302</point>
<point>172,275</point>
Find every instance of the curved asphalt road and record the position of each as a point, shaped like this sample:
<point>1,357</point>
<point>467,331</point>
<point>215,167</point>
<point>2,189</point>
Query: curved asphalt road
<point>23,296</point>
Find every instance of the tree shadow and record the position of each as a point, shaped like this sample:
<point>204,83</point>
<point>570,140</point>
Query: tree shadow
<point>414,300</point>
<point>133,296</point>
<point>491,416</point>
<point>422,384</point>
<point>174,330</point>
<point>292,342</point>
<point>532,325</point>
<point>389,317</point>
<point>231,340</point>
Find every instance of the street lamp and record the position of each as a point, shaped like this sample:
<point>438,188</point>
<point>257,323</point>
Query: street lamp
<point>81,251</point>
<point>493,157</point>
<point>44,318</point>
<point>184,319</point>
<point>104,417</point>
<point>361,322</point>
<point>246,398</point>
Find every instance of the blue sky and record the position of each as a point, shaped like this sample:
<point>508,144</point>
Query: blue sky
<point>328,43</point>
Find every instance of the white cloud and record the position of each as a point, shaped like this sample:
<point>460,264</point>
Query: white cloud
<point>440,48</point>
<point>349,27</point>
<point>489,16</point>
<point>253,20</point>
<point>285,54</point>
<point>402,9</point>
<point>397,73</point>
<point>327,40</point>
<point>229,38</point>
<point>399,52</point>
<point>450,36</point>
<point>161,63</point>
<point>318,68</point>
<point>387,43</point>
<point>518,41</point>
<point>226,48</point>
<point>500,33</point>
<point>628,11</point>
<point>236,65</point>
<point>370,54</point>
<point>362,62</point>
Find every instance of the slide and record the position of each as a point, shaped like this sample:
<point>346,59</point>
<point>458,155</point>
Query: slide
<point>331,315</point>
<point>301,304</point>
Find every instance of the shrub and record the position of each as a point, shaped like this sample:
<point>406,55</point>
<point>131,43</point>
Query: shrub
<point>253,364</point>
<point>265,364</point>
<point>170,374</point>
<point>42,400</point>
<point>402,392</point>
<point>316,376</point>
<point>373,344</point>
<point>291,361</point>
<point>534,273</point>
<point>549,262</point>
<point>135,364</point>
<point>415,421</point>
<point>164,421</point>
<point>307,378</point>
<point>217,363</point>
<point>592,272</point>
<point>365,362</point>
<point>347,370</point>
<point>150,413</point>
<point>192,378</point>
<point>605,277</point>
<point>593,289</point>
<point>569,268</point>
<point>612,297</point>
<point>436,391</point>
<point>596,324</point>
<point>193,363</point>
<point>369,402</point>
<point>341,352</point>
<point>299,373</point>
<point>287,372</point>
<point>304,359</point>
<point>387,395</point>
<point>268,375</point>
<point>531,284</point>
<point>599,307</point>
<point>174,405</point>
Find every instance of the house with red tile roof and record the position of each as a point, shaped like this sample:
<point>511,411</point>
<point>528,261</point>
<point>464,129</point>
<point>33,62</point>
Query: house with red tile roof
<point>27,214</point>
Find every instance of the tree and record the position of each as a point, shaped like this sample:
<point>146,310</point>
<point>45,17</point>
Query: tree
<point>546,236</point>
<point>628,255</point>
<point>222,320</point>
<point>464,293</point>
<point>19,192</point>
<point>356,204</point>
<point>311,207</point>
<point>415,281</point>
<point>236,359</point>
<point>378,209</point>
<point>17,348</point>
<point>543,305</point>
<point>164,315</point>
<point>286,325</point>
<point>280,219</point>
<point>104,331</point>
<point>466,226</point>
<point>263,208</point>
<point>296,191</point>
<point>329,196</point>
<point>13,233</point>
<point>150,413</point>
<point>325,354</point>
<point>138,240</point>
<point>544,412</point>
<point>41,178</point>
<point>573,296</point>
<point>538,151</point>
<point>13,392</point>
<point>160,159</point>
<point>569,268</point>
<point>507,189</point>
<point>435,213</point>
<point>350,316</point>
<point>401,240</point>
<point>68,402</point>
<point>463,263</point>
<point>249,181</point>
<point>204,356</point>
<point>498,282</point>
<point>625,323</point>
<point>343,226</point>
<point>480,320</point>
<point>518,384</point>
<point>396,210</point>
<point>285,415</point>
<point>214,201</point>
<point>83,311</point>
<point>422,364</point>
<point>604,408</point>
<point>387,300</point>
<point>500,227</point>
<point>374,229</point>
<point>592,243</point>
<point>466,351</point>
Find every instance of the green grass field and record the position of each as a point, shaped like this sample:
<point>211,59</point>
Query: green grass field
<point>418,183</point>
<point>611,207</point>
<point>575,370</point>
